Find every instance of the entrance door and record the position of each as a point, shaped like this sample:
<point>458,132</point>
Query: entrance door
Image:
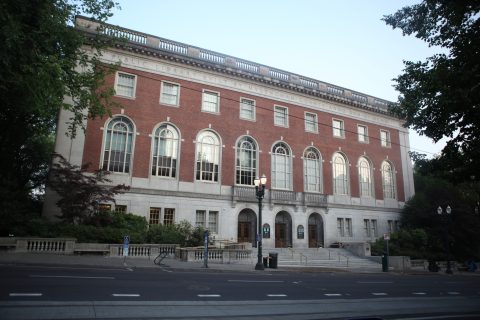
<point>280,235</point>
<point>244,231</point>
<point>312,236</point>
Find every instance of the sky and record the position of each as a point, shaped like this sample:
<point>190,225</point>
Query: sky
<point>342,42</point>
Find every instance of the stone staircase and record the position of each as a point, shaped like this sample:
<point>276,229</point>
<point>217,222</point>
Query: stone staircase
<point>334,258</point>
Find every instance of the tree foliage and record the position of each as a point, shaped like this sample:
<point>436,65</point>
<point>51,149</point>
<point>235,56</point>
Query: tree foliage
<point>440,97</point>
<point>41,62</point>
<point>81,191</point>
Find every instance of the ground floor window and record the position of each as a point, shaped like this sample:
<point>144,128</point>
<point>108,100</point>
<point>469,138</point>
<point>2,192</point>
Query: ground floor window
<point>344,227</point>
<point>120,209</point>
<point>201,218</point>
<point>103,207</point>
<point>370,227</point>
<point>156,215</point>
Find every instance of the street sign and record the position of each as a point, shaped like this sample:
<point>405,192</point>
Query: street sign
<point>386,236</point>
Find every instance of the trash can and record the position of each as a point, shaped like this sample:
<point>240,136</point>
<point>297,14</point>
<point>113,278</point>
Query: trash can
<point>384,263</point>
<point>273,257</point>
<point>265,262</point>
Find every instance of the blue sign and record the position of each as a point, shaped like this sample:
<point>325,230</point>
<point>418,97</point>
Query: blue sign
<point>126,243</point>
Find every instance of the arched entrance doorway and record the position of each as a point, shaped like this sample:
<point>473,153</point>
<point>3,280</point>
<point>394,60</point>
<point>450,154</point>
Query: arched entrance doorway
<point>247,224</point>
<point>315,231</point>
<point>283,230</point>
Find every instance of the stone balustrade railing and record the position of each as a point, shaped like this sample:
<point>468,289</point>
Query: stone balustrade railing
<point>239,256</point>
<point>306,199</point>
<point>262,72</point>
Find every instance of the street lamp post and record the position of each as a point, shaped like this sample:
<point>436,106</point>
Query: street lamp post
<point>446,222</point>
<point>260,193</point>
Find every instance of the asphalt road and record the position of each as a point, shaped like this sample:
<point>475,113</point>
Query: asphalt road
<point>69,292</point>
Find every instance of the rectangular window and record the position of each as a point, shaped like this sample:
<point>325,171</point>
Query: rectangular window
<point>213,221</point>
<point>103,207</point>
<point>341,227</point>
<point>374,228</point>
<point>120,209</point>
<point>247,109</point>
<point>125,85</point>
<point>366,226</point>
<point>338,128</point>
<point>311,122</point>
<point>154,216</point>
<point>281,116</point>
<point>385,138</point>
<point>211,101</point>
<point>362,133</point>
<point>348,227</point>
<point>168,216</point>
<point>200,218</point>
<point>170,93</point>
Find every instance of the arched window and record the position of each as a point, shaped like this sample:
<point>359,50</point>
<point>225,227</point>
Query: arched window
<point>246,161</point>
<point>340,174</point>
<point>165,151</point>
<point>207,156</point>
<point>117,150</point>
<point>312,170</point>
<point>388,181</point>
<point>281,166</point>
<point>365,177</point>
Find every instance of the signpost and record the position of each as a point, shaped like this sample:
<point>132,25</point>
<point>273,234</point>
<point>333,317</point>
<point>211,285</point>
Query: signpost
<point>205,253</point>
<point>386,237</point>
<point>126,243</point>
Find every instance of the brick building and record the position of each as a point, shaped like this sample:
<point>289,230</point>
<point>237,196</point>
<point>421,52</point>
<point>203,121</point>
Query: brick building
<point>196,127</point>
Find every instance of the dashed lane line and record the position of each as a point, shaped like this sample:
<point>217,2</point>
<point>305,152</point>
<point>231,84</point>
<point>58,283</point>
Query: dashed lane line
<point>276,295</point>
<point>24,294</point>
<point>379,293</point>
<point>333,294</point>
<point>208,295</point>
<point>128,295</point>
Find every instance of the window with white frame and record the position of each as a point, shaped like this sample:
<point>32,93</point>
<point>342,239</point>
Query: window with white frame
<point>247,109</point>
<point>370,227</point>
<point>118,145</point>
<point>211,101</point>
<point>213,221</point>
<point>202,216</point>
<point>340,174</point>
<point>338,128</point>
<point>281,166</point>
<point>388,180</point>
<point>365,177</point>
<point>362,133</point>
<point>207,156</point>
<point>393,226</point>
<point>385,138</point>
<point>312,170</point>
<point>120,208</point>
<point>344,227</point>
<point>348,227</point>
<point>246,161</point>
<point>170,93</point>
<point>311,122</point>
<point>125,85</point>
<point>281,116</point>
<point>103,207</point>
<point>165,151</point>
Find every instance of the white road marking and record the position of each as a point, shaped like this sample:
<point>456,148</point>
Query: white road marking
<point>374,282</point>
<point>257,281</point>
<point>379,294</point>
<point>453,292</point>
<point>333,294</point>
<point>208,295</point>
<point>125,295</point>
<point>276,295</point>
<point>419,293</point>
<point>70,277</point>
<point>15,294</point>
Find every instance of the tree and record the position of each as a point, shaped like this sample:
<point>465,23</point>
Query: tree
<point>41,62</point>
<point>440,96</point>
<point>79,190</point>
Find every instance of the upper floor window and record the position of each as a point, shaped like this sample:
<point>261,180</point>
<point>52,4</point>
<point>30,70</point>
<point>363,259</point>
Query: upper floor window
<point>211,101</point>
<point>165,151</point>
<point>247,109</point>
<point>362,133</point>
<point>311,122</point>
<point>338,128</point>
<point>125,84</point>
<point>281,116</point>
<point>118,145</point>
<point>207,156</point>
<point>388,180</point>
<point>246,161</point>
<point>340,174</point>
<point>365,177</point>
<point>170,93</point>
<point>312,170</point>
<point>385,138</point>
<point>281,166</point>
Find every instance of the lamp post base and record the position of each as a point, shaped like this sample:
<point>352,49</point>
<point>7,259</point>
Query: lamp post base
<point>259,266</point>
